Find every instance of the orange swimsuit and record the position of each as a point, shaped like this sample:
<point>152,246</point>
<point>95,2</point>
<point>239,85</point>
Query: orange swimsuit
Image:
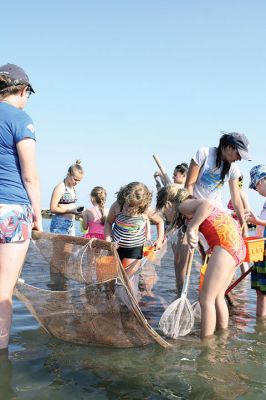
<point>220,229</point>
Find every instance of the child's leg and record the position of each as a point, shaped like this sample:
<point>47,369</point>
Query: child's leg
<point>130,257</point>
<point>126,262</point>
<point>222,314</point>
<point>218,274</point>
<point>261,304</point>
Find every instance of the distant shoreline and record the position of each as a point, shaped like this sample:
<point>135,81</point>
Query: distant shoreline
<point>47,214</point>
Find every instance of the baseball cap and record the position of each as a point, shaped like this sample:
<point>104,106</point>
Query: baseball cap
<point>256,174</point>
<point>17,75</point>
<point>240,141</point>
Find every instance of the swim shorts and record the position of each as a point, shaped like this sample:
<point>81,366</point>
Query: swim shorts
<point>258,274</point>
<point>135,253</point>
<point>15,222</point>
<point>62,226</point>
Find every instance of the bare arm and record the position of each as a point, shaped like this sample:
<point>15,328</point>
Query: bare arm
<point>253,219</point>
<point>192,176</point>
<point>57,208</point>
<point>26,149</point>
<point>199,209</point>
<point>159,180</point>
<point>244,198</point>
<point>158,221</point>
<point>86,217</point>
<point>238,204</point>
<point>110,219</point>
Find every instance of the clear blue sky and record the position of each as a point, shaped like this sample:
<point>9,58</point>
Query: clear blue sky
<point>118,80</point>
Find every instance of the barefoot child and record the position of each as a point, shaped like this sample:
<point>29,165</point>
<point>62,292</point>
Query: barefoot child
<point>94,217</point>
<point>224,238</point>
<point>258,274</point>
<point>126,223</point>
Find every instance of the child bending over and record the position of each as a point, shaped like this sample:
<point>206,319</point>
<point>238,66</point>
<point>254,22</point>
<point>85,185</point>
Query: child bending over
<point>127,221</point>
<point>224,238</point>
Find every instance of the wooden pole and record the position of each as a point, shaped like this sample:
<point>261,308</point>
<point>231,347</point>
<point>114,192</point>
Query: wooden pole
<point>162,169</point>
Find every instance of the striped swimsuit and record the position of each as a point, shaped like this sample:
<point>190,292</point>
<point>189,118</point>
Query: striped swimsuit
<point>129,231</point>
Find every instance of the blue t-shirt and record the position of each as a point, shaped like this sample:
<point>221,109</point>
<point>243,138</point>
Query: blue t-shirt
<point>15,125</point>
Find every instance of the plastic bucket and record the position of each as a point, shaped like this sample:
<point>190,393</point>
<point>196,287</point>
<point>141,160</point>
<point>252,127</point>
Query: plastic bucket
<point>255,249</point>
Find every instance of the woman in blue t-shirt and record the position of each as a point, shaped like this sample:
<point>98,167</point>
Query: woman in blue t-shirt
<point>20,209</point>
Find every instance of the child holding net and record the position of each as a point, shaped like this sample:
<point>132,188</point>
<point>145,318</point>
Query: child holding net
<point>224,238</point>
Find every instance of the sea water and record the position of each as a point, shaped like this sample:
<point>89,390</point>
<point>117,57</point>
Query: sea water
<point>231,365</point>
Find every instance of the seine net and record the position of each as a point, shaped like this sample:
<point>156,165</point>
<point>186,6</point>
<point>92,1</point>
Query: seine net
<point>79,292</point>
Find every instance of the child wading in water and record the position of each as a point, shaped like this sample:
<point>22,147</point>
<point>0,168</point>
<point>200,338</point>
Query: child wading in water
<point>258,274</point>
<point>127,221</point>
<point>224,238</point>
<point>94,217</point>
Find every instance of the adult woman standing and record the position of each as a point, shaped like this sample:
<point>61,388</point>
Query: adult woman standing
<point>210,168</point>
<point>63,201</point>
<point>20,209</point>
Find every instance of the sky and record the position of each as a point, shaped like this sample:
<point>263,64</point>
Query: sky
<point>117,81</point>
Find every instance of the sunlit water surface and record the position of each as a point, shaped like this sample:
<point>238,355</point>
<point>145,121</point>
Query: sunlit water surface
<point>228,366</point>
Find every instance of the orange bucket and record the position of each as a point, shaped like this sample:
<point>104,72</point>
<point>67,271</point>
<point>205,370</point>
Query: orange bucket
<point>106,268</point>
<point>255,249</point>
<point>202,271</point>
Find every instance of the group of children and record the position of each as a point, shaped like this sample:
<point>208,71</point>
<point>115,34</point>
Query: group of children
<point>127,224</point>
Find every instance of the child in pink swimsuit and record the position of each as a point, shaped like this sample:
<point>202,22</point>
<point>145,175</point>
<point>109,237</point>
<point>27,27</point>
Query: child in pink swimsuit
<point>225,241</point>
<point>94,217</point>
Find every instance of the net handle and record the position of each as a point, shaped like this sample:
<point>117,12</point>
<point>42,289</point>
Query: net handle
<point>162,169</point>
<point>100,244</point>
<point>189,261</point>
<point>238,280</point>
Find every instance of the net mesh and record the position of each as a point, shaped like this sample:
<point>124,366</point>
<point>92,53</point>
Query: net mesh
<point>79,292</point>
<point>178,319</point>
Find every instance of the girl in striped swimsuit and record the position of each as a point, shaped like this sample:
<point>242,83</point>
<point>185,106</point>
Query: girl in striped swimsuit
<point>127,221</point>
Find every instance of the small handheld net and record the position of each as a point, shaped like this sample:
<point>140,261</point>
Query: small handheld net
<point>178,319</point>
<point>196,311</point>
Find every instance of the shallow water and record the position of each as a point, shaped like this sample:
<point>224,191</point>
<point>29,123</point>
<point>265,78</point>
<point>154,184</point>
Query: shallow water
<point>231,365</point>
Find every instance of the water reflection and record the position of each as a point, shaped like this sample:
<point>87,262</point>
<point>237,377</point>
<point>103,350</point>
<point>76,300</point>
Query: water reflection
<point>6,390</point>
<point>221,368</point>
<point>230,365</point>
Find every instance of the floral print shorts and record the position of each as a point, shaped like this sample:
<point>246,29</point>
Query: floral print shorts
<point>61,225</point>
<point>15,222</point>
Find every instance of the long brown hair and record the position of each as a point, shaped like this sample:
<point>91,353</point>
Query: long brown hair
<point>99,194</point>
<point>176,196</point>
<point>136,195</point>
<point>225,140</point>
